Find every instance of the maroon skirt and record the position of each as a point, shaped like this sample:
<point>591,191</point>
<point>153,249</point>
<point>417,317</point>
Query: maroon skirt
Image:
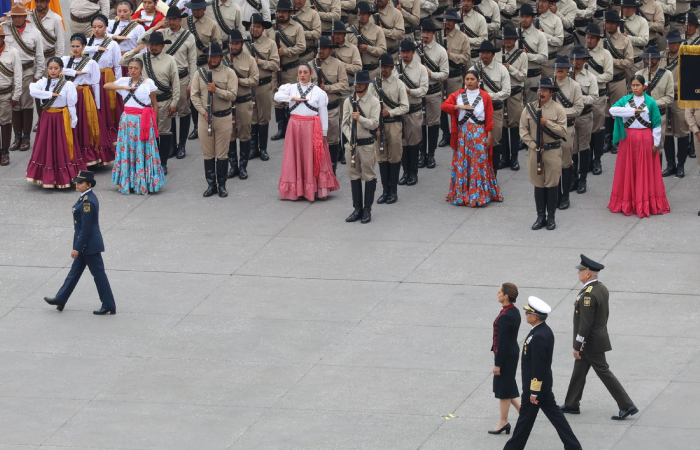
<point>51,165</point>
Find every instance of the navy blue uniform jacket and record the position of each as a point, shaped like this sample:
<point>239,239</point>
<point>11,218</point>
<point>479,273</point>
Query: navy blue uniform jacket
<point>536,362</point>
<point>87,238</point>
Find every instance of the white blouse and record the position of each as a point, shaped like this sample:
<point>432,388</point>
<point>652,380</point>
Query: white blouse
<point>110,58</point>
<point>479,112</point>
<point>67,97</point>
<point>144,15</point>
<point>92,78</point>
<point>132,42</point>
<point>626,112</point>
<point>316,98</point>
<point>143,93</point>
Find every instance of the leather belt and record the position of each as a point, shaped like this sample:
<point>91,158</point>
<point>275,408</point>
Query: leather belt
<point>678,18</point>
<point>586,110</point>
<point>456,73</point>
<point>49,53</point>
<point>531,73</point>
<point>552,56</point>
<point>370,66</point>
<point>408,30</point>
<point>163,97</point>
<point>602,92</point>
<point>27,65</point>
<point>637,59</point>
<point>334,104</point>
<point>599,13</point>
<point>619,77</point>
<point>570,121</point>
<point>289,65</point>
<point>264,81</point>
<point>393,119</point>
<point>9,89</point>
<point>434,89</point>
<point>223,113</point>
<point>662,111</point>
<point>308,51</point>
<point>244,99</point>
<point>516,90</point>
<point>580,23</point>
<point>552,145</point>
<point>569,39</point>
<point>414,108</point>
<point>183,73</point>
<point>365,141</point>
<point>75,18</point>
<point>497,106</point>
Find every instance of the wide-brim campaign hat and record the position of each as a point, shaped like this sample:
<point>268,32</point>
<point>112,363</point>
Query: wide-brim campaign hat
<point>157,38</point>
<point>215,50</point>
<point>175,13</point>
<point>236,36</point>
<point>18,9</point>
<point>537,306</point>
<point>692,18</point>
<point>325,41</point>
<point>673,36</point>
<point>612,16</point>
<point>285,5</point>
<point>197,4</point>
<point>363,7</point>
<point>633,3</point>
<point>592,29</point>
<point>362,77</point>
<point>257,18</point>
<point>527,9</point>
<point>451,14</point>
<point>429,25</point>
<point>579,52</point>
<point>386,60</point>
<point>406,45</point>
<point>561,62</point>
<point>338,27</point>
<point>545,83</point>
<point>588,264</point>
<point>510,33</point>
<point>85,176</point>
<point>651,51</point>
<point>487,46</point>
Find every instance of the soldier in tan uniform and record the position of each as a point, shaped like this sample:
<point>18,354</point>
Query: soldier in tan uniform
<point>390,20</point>
<point>29,44</point>
<point>410,10</point>
<point>227,15</point>
<point>434,58</point>
<point>637,30</point>
<point>459,57</point>
<point>534,44</point>
<point>334,81</point>
<point>82,12</point>
<point>570,97</point>
<point>566,11</point>
<point>218,95</point>
<point>162,69</point>
<point>678,125</point>
<point>328,11</point>
<point>492,14</point>
<point>585,10</point>
<point>553,125</point>
<point>363,110</point>
<point>516,63</point>
<point>310,22</point>
<point>291,43</point>
<point>550,24</point>
<point>184,50</point>
<point>205,31</point>
<point>267,57</point>
<point>652,12</point>
<point>372,43</point>
<point>10,93</point>
<point>248,76</point>
<point>394,101</point>
<point>473,26</point>
<point>600,64</point>
<point>584,122</point>
<point>620,48</point>
<point>348,13</point>
<point>415,76</point>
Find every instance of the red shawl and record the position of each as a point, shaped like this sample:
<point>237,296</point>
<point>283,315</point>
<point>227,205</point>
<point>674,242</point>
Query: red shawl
<point>448,106</point>
<point>159,16</point>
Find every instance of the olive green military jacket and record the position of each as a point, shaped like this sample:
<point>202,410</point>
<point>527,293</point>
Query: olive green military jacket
<point>591,313</point>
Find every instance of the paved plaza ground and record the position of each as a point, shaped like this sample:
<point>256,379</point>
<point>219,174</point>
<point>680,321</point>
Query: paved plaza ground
<point>250,323</point>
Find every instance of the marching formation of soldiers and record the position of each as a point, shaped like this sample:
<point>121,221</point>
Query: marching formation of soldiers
<point>578,54</point>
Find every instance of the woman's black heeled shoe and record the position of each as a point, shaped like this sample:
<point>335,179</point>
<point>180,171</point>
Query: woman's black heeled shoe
<point>506,428</point>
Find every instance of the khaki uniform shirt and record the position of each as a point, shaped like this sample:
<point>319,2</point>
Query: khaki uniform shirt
<point>476,30</point>
<point>268,58</point>
<point>391,22</point>
<point>186,56</point>
<point>247,73</point>
<point>395,90</point>
<point>370,107</point>
<point>624,47</point>
<point>164,69</point>
<point>438,55</point>
<point>207,30</point>
<point>601,57</point>
<point>86,8</point>
<point>335,77</point>
<point>53,24</point>
<point>672,67</point>
<point>349,57</point>
<point>226,90</point>
<point>295,34</point>
<point>410,10</point>
<point>32,39</point>
<point>653,13</point>
<point>669,7</point>
<point>556,122</point>
<point>459,48</point>
<point>499,75</point>
<point>10,59</point>
<point>231,16</point>
<point>415,73</point>
<point>492,15</point>
<point>589,86</point>
<point>553,31</point>
<point>571,90</point>
<point>328,11</point>
<point>247,10</point>
<point>517,68</point>
<point>310,18</point>
<point>566,11</point>
<point>537,41</point>
<point>375,36</point>
<point>663,91</point>
<point>638,33</point>
<point>585,13</point>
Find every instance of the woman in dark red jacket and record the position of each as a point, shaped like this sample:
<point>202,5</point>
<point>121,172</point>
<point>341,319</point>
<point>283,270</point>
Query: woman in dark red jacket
<point>473,181</point>
<point>148,16</point>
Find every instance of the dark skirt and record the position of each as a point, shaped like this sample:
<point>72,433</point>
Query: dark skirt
<point>504,385</point>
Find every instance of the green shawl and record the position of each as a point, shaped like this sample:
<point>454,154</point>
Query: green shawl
<point>619,132</point>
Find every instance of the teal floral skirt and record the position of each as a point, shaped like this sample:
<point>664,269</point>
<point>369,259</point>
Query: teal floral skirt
<point>137,166</point>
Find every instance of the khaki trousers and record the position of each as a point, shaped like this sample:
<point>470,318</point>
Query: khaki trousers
<point>551,161</point>
<point>244,116</point>
<point>412,134</point>
<point>677,125</point>
<point>25,100</point>
<point>497,132</point>
<point>183,103</point>
<point>529,94</point>
<point>5,109</point>
<point>216,145</point>
<point>164,120</point>
<point>333,135</point>
<point>664,124</point>
<point>515,109</point>
<point>262,112</point>
<point>393,150</point>
<point>598,114</point>
<point>365,159</point>
<point>84,28</point>
<point>584,128</point>
<point>432,109</point>
<point>567,147</point>
<point>616,91</point>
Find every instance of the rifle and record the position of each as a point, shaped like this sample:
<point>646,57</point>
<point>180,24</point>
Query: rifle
<point>403,128</point>
<point>279,47</point>
<point>539,142</point>
<point>422,61</point>
<point>537,14</point>
<point>686,25</point>
<point>444,45</point>
<point>353,130</point>
<point>573,69</point>
<point>480,69</point>
<point>210,77</point>
<point>252,45</point>
<point>381,115</point>
<point>650,73</point>
<point>319,73</point>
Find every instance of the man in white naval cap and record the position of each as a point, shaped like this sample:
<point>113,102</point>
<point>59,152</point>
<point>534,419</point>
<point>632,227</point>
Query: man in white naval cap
<point>536,366</point>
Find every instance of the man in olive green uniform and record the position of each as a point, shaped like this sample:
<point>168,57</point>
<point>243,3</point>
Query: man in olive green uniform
<point>591,341</point>
<point>247,74</point>
<point>310,22</point>
<point>222,90</point>
<point>620,48</point>
<point>600,64</point>
<point>553,125</point>
<point>362,114</point>
<point>516,63</point>
<point>459,57</point>
<point>162,69</point>
<point>266,55</point>
<point>184,50</point>
<point>394,101</point>
<point>372,43</point>
<point>334,81</point>
<point>391,22</point>
<point>328,11</point>
<point>291,43</point>
<point>584,122</point>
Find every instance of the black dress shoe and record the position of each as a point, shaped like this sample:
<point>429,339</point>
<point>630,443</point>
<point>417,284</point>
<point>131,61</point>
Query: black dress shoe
<point>412,179</point>
<point>165,170</point>
<point>52,301</point>
<point>597,168</point>
<point>680,171</point>
<point>355,216</point>
<point>624,413</point>
<point>181,153</point>
<point>445,141</point>
<point>104,311</point>
<point>430,161</point>
<point>502,164</point>
<point>564,203</point>
<point>581,189</point>
<point>404,179</point>
<point>613,150</point>
<point>569,409</point>
<point>193,135</point>
<point>505,428</point>
<point>670,170</point>
<point>514,165</point>
<point>264,155</point>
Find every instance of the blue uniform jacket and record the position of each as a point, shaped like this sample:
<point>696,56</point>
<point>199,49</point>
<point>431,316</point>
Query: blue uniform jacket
<point>87,238</point>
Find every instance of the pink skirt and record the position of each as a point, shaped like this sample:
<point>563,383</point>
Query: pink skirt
<point>637,185</point>
<point>297,178</point>
<point>51,165</point>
